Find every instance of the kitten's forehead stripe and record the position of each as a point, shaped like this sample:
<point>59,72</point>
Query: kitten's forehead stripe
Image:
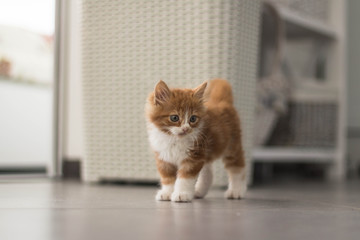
<point>186,117</point>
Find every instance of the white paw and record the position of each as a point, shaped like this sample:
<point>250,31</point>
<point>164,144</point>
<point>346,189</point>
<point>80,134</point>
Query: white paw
<point>235,193</point>
<point>200,193</point>
<point>163,195</point>
<point>182,196</point>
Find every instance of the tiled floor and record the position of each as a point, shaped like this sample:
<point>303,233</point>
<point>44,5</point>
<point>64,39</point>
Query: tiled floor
<point>42,209</point>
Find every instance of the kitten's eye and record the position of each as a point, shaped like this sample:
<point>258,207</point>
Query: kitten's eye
<point>174,118</point>
<point>193,119</point>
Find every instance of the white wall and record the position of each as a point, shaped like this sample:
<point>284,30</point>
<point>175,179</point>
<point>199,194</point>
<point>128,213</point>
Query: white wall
<point>26,110</point>
<point>26,128</point>
<point>35,15</point>
<point>73,138</point>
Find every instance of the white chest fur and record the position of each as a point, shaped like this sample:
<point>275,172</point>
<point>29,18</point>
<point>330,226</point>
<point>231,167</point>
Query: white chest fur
<point>170,148</point>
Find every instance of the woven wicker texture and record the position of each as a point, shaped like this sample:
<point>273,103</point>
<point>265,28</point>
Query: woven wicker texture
<point>130,45</point>
<point>311,124</point>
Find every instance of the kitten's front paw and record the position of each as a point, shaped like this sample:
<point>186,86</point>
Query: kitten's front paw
<point>235,193</point>
<point>163,195</point>
<point>182,196</point>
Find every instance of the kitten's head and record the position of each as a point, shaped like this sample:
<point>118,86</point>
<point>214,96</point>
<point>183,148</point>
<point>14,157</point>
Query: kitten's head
<point>176,111</point>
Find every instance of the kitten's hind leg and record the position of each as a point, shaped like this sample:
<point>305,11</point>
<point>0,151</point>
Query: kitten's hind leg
<point>204,181</point>
<point>237,184</point>
<point>235,166</point>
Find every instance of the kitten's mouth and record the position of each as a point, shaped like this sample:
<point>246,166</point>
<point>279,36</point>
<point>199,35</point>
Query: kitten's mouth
<point>184,133</point>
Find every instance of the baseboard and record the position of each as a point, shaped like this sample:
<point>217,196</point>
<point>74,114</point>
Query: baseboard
<point>71,168</point>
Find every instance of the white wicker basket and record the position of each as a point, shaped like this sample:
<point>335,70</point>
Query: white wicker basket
<point>130,45</point>
<point>307,124</point>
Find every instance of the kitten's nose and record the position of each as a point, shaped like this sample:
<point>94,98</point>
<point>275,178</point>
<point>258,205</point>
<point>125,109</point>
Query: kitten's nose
<point>185,129</point>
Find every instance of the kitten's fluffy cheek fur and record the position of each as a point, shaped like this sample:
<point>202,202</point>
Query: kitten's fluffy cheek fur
<point>175,130</point>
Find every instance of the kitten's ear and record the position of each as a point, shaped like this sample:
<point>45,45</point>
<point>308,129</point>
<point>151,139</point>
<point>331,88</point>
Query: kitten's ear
<point>162,93</point>
<point>199,91</point>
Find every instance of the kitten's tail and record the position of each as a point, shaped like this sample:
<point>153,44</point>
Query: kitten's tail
<point>218,91</point>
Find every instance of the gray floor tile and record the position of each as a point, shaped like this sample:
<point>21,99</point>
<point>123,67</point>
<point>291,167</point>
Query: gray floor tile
<point>42,209</point>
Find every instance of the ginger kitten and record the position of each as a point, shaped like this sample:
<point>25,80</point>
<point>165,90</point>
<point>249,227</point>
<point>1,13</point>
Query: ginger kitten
<point>189,129</point>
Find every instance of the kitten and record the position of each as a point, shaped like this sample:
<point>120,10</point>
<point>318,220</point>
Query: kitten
<point>190,128</point>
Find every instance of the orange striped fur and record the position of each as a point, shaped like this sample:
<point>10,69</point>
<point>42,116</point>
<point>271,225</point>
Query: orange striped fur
<point>189,129</point>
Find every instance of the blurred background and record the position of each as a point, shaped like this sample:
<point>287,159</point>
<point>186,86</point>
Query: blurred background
<point>26,86</point>
<point>74,76</point>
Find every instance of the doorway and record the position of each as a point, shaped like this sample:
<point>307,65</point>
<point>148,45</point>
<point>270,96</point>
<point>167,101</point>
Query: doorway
<point>27,83</point>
